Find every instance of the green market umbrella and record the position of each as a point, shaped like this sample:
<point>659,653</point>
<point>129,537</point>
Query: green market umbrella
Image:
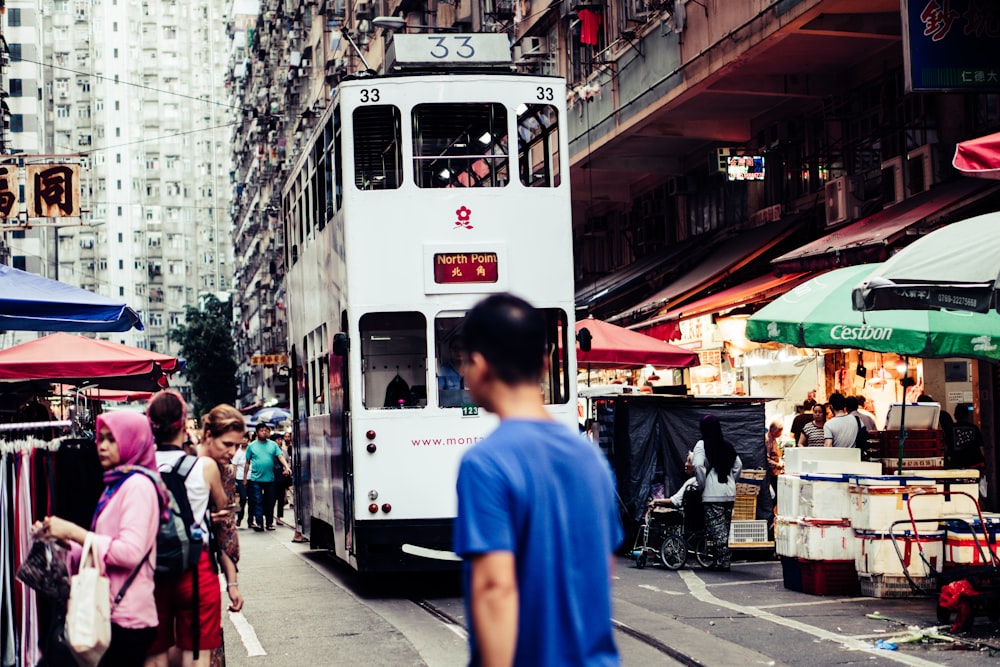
<point>818,313</point>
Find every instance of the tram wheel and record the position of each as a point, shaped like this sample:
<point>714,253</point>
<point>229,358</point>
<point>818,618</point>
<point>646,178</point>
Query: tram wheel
<point>674,551</point>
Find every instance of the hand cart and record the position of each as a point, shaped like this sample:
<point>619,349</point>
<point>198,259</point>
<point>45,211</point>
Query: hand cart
<point>981,595</point>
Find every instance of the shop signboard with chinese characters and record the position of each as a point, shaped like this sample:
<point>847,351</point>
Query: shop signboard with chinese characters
<point>269,360</point>
<point>951,45</point>
<point>10,178</point>
<point>53,190</point>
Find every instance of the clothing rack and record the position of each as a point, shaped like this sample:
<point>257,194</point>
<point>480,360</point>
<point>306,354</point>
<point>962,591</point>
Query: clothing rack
<point>34,426</point>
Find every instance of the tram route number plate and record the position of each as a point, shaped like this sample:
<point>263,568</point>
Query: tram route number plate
<point>470,410</point>
<point>453,48</point>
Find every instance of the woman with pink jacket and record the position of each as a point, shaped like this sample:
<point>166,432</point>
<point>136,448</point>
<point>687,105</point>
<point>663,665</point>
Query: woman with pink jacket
<point>124,531</point>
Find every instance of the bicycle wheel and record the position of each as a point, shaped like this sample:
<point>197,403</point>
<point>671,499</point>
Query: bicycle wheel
<point>674,551</point>
<point>703,552</point>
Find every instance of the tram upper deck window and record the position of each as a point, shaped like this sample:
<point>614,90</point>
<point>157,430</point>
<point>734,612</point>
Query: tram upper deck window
<point>538,145</point>
<point>394,360</point>
<point>378,162</point>
<point>460,145</point>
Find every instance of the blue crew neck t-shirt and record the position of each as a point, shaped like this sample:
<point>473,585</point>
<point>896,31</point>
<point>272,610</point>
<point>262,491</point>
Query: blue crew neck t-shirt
<point>546,494</point>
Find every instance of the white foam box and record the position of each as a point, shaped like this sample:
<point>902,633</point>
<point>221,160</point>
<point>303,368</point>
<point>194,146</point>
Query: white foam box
<point>966,481</point>
<point>875,553</point>
<point>795,456</point>
<point>966,543</point>
<point>826,540</point>
<point>841,467</point>
<point>824,497</point>
<point>786,537</point>
<point>788,496</point>
<point>878,501</point>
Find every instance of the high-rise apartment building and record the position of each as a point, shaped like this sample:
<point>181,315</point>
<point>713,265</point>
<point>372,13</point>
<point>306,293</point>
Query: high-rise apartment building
<point>133,90</point>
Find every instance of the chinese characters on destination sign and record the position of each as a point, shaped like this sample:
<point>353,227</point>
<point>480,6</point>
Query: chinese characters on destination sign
<point>465,267</point>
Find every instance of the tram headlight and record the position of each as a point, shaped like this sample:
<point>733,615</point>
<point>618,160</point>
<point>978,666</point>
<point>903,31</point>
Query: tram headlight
<point>373,495</point>
<point>373,508</point>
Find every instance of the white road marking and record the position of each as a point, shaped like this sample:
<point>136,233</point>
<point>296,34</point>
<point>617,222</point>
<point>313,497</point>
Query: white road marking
<point>745,583</point>
<point>659,590</point>
<point>700,591</point>
<point>247,634</point>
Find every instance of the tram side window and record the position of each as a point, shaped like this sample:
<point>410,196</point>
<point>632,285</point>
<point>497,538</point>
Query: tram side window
<point>378,162</point>
<point>538,145</point>
<point>452,392</point>
<point>460,145</point>
<point>394,360</point>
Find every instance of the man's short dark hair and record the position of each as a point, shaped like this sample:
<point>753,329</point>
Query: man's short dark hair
<point>261,426</point>
<point>510,334</point>
<point>851,403</point>
<point>837,401</point>
<point>808,404</point>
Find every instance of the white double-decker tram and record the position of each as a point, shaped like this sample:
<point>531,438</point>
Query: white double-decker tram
<point>420,193</point>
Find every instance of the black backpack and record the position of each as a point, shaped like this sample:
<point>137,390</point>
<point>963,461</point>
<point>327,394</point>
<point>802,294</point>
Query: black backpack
<point>179,540</point>
<point>861,439</point>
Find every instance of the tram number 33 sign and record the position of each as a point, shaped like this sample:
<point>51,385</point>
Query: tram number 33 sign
<point>472,48</point>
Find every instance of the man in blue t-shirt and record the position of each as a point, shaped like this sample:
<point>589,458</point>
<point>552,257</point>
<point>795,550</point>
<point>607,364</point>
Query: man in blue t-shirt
<point>263,455</point>
<point>537,521</point>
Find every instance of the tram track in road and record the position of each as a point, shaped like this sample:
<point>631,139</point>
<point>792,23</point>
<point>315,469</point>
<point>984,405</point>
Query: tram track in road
<point>458,627</point>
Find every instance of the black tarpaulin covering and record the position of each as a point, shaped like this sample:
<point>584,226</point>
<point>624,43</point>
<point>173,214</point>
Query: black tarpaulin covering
<point>651,429</point>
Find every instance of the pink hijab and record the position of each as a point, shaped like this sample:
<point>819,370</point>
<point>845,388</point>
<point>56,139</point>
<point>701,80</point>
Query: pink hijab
<point>136,450</point>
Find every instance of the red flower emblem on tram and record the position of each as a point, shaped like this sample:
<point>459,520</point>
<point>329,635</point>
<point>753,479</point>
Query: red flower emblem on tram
<point>464,214</point>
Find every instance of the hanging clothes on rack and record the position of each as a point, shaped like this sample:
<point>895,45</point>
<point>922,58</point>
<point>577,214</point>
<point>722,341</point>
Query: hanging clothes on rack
<point>8,636</point>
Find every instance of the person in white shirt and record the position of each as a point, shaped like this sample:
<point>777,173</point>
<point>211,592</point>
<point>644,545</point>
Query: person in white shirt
<point>239,463</point>
<point>842,429</point>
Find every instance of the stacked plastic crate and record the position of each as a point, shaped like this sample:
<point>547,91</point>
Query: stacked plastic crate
<point>746,531</point>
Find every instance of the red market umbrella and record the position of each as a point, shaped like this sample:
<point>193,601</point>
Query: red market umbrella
<point>979,157</point>
<point>616,347</point>
<point>79,360</point>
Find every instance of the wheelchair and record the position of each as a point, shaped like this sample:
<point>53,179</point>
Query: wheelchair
<point>673,534</point>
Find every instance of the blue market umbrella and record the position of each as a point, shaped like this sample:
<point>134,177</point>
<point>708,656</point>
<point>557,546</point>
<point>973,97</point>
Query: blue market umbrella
<point>30,302</point>
<point>272,416</point>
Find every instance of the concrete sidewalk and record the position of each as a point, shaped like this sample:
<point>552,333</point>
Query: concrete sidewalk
<point>297,613</point>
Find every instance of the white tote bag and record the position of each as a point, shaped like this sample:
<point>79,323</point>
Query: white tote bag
<point>88,616</point>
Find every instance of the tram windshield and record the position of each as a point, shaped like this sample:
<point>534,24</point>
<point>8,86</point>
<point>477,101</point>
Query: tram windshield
<point>460,145</point>
<point>394,360</point>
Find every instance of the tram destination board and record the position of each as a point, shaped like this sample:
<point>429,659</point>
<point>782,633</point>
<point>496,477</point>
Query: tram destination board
<point>420,51</point>
<point>465,267</point>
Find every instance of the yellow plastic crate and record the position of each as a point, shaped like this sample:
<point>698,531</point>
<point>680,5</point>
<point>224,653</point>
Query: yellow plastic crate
<point>745,508</point>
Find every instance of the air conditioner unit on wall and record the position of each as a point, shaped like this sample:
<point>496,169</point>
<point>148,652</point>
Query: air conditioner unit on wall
<point>841,200</point>
<point>532,46</point>
<point>893,190</point>
<point>362,10</point>
<point>922,168</point>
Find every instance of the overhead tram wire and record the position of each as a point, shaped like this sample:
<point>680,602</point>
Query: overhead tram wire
<point>135,85</point>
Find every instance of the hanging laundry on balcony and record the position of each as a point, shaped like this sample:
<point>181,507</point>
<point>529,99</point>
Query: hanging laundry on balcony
<point>590,25</point>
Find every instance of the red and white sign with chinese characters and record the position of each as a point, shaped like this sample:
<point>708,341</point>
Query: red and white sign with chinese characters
<point>465,267</point>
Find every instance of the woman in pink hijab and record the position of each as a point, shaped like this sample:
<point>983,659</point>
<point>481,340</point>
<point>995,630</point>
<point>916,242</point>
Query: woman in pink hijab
<point>123,531</point>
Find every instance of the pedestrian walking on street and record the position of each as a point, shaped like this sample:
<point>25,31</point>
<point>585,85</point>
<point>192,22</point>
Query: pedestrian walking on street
<point>537,521</point>
<point>223,432</point>
<point>239,473</point>
<point>189,604</point>
<point>717,467</point>
<point>263,455</point>
<point>123,533</point>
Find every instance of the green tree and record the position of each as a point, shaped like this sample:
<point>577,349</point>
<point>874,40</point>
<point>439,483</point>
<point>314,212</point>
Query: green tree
<point>207,345</point>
